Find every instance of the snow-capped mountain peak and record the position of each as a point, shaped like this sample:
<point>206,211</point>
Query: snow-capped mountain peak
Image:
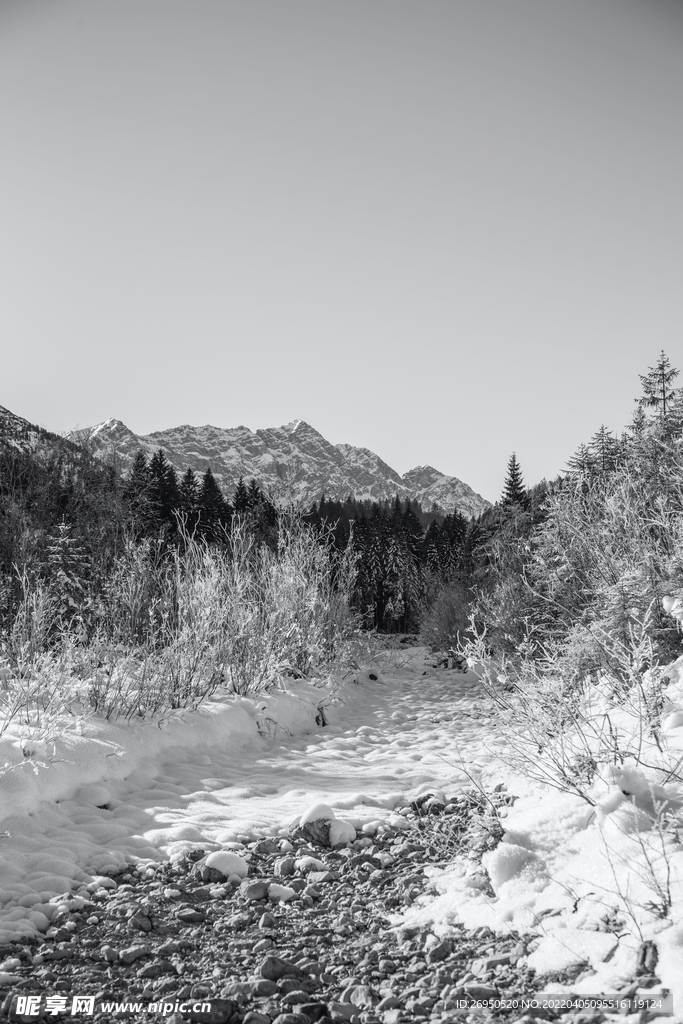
<point>293,461</point>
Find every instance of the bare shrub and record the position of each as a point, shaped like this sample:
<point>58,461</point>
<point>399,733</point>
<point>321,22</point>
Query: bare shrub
<point>176,625</point>
<point>562,727</point>
<point>445,620</point>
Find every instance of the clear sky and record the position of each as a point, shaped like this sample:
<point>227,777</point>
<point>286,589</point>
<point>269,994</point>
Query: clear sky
<point>440,230</point>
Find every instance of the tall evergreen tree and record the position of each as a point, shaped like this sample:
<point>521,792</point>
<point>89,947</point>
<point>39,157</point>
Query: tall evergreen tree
<point>137,494</point>
<point>658,390</point>
<point>164,489</point>
<point>189,500</point>
<point>604,450</point>
<point>240,501</point>
<point>581,463</point>
<point>69,570</point>
<point>514,491</point>
<point>211,506</point>
<point>254,495</point>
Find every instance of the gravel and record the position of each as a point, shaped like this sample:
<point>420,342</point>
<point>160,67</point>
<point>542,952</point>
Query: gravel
<point>317,953</point>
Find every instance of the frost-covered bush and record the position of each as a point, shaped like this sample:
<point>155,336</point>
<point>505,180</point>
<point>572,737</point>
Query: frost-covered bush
<point>563,726</point>
<point>444,621</point>
<point>175,625</point>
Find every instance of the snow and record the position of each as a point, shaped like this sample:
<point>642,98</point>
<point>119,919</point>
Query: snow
<point>94,796</point>
<point>228,863</point>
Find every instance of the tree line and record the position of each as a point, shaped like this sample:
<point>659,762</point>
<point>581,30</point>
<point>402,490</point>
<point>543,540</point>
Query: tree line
<point>579,565</point>
<point>567,561</point>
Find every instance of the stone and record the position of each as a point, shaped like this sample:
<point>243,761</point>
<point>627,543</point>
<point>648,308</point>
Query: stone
<point>220,1013</point>
<point>277,893</point>
<point>476,990</point>
<point>439,952</point>
<point>315,877</point>
<point>190,915</point>
<point>317,831</point>
<point>132,953</point>
<point>291,1018</point>
<point>274,968</point>
<point>295,998</point>
<point>109,954</point>
<point>360,996</point>
<point>266,848</point>
<point>314,1011</point>
<point>284,867</point>
<point>341,1011</point>
<point>263,988</point>
<point>254,1017</point>
<point>156,969</point>
<point>487,963</point>
<point>389,1003</point>
<point>238,922</point>
<point>253,891</point>
<point>140,922</point>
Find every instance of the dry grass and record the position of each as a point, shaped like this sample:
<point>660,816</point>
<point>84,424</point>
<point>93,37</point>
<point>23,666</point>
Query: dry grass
<point>174,627</point>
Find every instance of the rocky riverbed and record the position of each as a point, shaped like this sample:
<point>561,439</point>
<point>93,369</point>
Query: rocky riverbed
<point>311,934</point>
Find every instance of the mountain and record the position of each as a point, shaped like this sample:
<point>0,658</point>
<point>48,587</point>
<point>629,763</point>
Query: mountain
<point>16,432</point>
<point>294,462</point>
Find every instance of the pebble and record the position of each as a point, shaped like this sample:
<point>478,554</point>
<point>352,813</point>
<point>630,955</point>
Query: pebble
<point>325,952</point>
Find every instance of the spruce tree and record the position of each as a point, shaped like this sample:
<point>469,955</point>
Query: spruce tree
<point>137,494</point>
<point>211,506</point>
<point>658,390</point>
<point>240,501</point>
<point>254,495</point>
<point>514,491</point>
<point>604,450</point>
<point>69,569</point>
<point>165,492</point>
<point>189,500</point>
<point>581,462</point>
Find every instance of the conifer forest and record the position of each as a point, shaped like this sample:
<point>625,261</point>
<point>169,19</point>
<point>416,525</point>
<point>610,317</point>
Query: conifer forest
<point>574,564</point>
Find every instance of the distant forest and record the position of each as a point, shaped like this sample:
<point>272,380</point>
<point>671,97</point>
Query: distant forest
<point>530,567</point>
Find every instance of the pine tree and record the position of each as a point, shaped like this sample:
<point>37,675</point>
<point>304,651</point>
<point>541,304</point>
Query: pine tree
<point>604,450</point>
<point>581,462</point>
<point>211,506</point>
<point>137,494</point>
<point>254,495</point>
<point>189,491</point>
<point>189,500</point>
<point>164,489</point>
<point>69,570</point>
<point>658,390</point>
<point>240,501</point>
<point>514,491</point>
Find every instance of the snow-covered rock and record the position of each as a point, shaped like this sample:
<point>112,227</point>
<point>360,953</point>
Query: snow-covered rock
<point>227,863</point>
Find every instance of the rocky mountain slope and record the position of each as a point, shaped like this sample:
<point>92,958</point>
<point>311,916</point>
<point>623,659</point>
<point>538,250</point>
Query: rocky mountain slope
<point>294,462</point>
<point>16,432</point>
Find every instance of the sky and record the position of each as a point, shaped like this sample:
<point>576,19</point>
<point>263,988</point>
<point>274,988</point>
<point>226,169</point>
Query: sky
<point>444,231</point>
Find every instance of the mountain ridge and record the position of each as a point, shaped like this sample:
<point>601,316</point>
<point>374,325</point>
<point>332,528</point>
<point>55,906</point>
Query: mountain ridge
<point>293,461</point>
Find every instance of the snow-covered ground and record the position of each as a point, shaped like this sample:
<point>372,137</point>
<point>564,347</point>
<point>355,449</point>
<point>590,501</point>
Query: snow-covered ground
<point>94,795</point>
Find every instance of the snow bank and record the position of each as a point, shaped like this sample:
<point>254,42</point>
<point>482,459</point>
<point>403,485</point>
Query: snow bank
<point>95,796</point>
<point>591,883</point>
<point>64,801</point>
